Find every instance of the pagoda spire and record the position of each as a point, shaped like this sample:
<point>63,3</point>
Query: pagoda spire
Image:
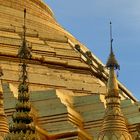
<point>23,127</point>
<point>114,124</point>
<point>112,62</point>
<point>24,51</point>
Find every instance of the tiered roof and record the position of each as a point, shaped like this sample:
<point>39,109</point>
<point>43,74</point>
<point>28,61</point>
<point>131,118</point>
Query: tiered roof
<point>67,81</point>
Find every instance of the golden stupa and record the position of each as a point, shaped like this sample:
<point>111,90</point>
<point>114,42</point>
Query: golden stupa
<point>114,123</point>
<point>67,83</point>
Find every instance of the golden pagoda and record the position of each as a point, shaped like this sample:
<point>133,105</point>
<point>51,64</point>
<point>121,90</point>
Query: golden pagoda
<point>67,82</point>
<point>114,124</point>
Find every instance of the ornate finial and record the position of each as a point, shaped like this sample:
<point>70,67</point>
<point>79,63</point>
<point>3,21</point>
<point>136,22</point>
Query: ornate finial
<point>112,62</point>
<point>24,25</point>
<point>114,124</point>
<point>24,51</point>
<point>23,127</point>
<point>111,39</point>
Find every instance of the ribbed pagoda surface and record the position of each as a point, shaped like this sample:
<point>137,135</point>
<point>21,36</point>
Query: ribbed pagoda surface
<point>67,82</point>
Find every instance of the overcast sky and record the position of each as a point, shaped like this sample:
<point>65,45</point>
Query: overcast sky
<point>88,21</point>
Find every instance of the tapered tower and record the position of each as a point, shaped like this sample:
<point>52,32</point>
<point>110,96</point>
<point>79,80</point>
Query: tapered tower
<point>67,81</point>
<point>23,127</point>
<point>114,124</point>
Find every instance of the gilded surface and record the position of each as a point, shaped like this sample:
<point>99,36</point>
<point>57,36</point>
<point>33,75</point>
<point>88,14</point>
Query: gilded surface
<point>114,123</point>
<point>3,120</point>
<point>68,91</point>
